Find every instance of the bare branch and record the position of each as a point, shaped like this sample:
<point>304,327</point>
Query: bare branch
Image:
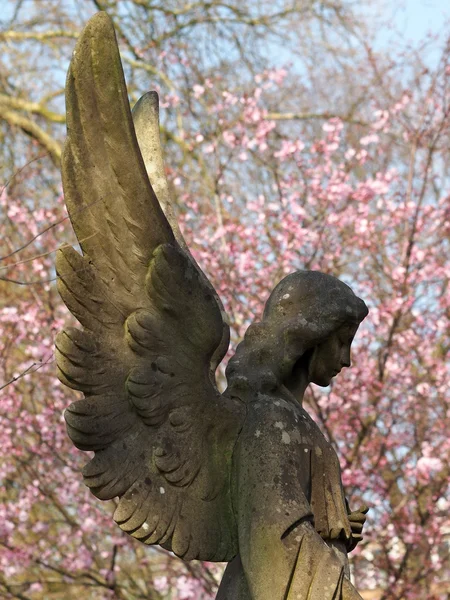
<point>38,36</point>
<point>28,371</point>
<point>325,116</point>
<point>31,107</point>
<point>32,129</point>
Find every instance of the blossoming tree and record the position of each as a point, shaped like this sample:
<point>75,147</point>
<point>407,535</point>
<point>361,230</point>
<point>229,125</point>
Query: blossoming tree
<point>354,186</point>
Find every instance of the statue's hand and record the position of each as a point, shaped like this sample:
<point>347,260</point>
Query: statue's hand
<point>357,520</point>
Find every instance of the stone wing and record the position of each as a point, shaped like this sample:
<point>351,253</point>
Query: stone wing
<point>152,333</point>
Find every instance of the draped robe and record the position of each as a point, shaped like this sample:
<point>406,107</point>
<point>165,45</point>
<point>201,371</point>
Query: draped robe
<point>290,508</point>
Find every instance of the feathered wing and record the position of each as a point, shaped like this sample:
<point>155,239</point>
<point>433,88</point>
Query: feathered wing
<point>152,328</point>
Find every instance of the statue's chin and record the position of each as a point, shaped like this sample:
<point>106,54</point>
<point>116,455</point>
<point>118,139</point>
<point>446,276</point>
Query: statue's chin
<point>322,383</point>
<point>322,380</point>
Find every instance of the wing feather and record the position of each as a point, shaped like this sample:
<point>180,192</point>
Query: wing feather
<point>103,171</point>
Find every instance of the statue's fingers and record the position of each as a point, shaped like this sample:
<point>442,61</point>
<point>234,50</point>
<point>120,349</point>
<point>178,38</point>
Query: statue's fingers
<point>356,527</point>
<point>363,509</point>
<point>357,517</point>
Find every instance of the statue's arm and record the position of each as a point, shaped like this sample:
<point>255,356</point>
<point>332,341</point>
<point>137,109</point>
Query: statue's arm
<point>281,553</point>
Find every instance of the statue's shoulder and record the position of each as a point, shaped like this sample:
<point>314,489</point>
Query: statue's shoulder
<point>274,422</point>
<point>269,406</point>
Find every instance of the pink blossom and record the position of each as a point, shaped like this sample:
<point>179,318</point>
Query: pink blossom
<point>198,90</point>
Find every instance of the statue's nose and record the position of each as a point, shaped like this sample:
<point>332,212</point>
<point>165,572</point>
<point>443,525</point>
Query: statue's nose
<point>345,358</point>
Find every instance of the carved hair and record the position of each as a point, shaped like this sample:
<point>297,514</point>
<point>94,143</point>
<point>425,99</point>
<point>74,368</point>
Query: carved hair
<point>303,310</point>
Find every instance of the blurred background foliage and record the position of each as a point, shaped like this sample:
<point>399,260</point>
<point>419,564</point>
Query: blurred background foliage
<point>297,134</point>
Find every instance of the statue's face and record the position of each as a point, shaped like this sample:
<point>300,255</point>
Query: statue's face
<point>329,357</point>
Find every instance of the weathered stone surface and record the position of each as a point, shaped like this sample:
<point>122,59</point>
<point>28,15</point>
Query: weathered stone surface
<point>245,476</point>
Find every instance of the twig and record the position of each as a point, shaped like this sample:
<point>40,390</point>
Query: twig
<point>39,364</point>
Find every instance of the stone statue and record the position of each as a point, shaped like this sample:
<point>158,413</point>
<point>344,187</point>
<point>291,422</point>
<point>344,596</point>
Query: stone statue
<point>245,476</point>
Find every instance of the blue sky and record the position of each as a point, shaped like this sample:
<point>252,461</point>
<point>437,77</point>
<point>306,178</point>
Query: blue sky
<point>416,18</point>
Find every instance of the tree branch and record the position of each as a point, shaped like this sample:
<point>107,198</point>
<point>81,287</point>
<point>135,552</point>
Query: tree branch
<point>32,129</point>
<point>38,36</point>
<point>276,116</point>
<point>32,107</point>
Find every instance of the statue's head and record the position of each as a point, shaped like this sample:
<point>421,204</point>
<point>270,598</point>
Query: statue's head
<point>308,325</point>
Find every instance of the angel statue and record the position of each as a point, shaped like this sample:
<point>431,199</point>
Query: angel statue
<point>244,476</point>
